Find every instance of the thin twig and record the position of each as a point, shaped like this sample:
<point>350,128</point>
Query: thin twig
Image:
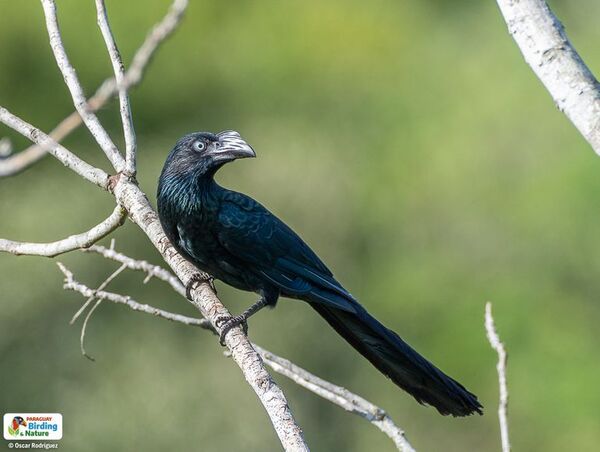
<point>157,35</point>
<point>70,243</point>
<point>106,282</point>
<point>497,345</point>
<point>84,328</point>
<point>81,310</point>
<point>336,394</point>
<point>119,70</point>
<point>22,160</point>
<point>72,81</point>
<point>72,284</point>
<point>151,270</point>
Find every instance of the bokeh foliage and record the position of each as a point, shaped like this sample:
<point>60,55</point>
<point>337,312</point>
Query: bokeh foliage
<point>406,141</point>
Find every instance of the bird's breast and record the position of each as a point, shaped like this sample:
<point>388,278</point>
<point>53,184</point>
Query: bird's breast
<point>190,217</point>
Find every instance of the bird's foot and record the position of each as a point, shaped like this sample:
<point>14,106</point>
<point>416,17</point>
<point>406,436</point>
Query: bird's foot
<point>226,323</point>
<point>198,278</point>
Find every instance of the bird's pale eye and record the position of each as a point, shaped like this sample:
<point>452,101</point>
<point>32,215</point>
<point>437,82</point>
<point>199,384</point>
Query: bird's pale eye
<point>199,145</point>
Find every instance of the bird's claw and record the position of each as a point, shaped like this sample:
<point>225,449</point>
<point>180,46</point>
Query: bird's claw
<point>198,278</point>
<point>226,323</point>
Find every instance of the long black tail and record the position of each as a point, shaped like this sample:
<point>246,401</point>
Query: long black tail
<point>396,359</point>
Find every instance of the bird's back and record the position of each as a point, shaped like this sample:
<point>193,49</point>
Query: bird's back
<point>237,240</point>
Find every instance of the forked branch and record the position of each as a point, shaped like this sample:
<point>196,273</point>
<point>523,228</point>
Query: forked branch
<point>72,284</point>
<point>20,161</point>
<point>335,394</point>
<point>149,269</point>
<point>72,81</point>
<point>128,195</point>
<point>339,396</point>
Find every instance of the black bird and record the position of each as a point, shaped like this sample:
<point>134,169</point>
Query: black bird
<point>237,240</point>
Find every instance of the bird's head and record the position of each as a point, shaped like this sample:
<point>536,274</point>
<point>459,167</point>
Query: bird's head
<point>18,420</point>
<point>205,152</point>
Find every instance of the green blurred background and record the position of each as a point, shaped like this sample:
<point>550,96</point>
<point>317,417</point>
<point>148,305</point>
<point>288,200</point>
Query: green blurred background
<point>406,141</point>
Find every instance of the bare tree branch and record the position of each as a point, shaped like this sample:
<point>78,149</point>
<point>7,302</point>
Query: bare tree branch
<point>339,396</point>
<point>150,269</point>
<point>102,286</point>
<point>72,284</point>
<point>497,345</point>
<point>141,213</point>
<point>72,82</point>
<point>546,48</point>
<point>106,282</point>
<point>66,157</point>
<point>129,195</point>
<point>329,391</point>
<point>18,162</point>
<point>157,35</point>
<point>71,243</point>
<point>119,70</point>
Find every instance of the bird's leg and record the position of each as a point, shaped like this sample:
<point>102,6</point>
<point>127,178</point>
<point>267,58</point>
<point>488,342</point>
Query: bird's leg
<point>226,323</point>
<point>198,278</point>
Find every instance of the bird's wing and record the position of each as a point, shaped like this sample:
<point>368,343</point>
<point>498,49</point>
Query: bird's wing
<point>257,237</point>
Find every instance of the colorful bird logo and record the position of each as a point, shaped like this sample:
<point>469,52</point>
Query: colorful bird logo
<point>17,421</point>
